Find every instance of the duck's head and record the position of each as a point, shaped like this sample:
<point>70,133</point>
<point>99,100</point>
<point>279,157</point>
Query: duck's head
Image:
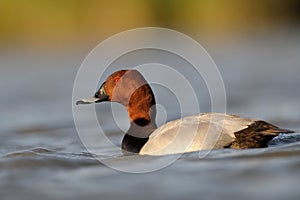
<point>129,88</point>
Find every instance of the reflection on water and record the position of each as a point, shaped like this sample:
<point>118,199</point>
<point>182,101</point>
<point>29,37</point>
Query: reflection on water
<point>41,156</point>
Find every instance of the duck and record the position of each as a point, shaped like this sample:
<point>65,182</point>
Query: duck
<point>198,132</point>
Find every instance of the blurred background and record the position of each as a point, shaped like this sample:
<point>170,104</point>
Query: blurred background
<point>61,24</point>
<point>255,44</point>
<point>43,42</point>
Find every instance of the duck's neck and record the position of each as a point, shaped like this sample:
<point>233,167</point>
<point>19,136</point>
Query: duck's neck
<point>142,113</point>
<point>138,134</point>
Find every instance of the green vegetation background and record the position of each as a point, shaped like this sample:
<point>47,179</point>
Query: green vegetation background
<point>48,22</point>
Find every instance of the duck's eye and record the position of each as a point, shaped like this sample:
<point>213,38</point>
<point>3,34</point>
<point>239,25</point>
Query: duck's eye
<point>117,79</point>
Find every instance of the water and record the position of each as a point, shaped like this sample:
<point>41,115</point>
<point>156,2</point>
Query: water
<point>42,157</point>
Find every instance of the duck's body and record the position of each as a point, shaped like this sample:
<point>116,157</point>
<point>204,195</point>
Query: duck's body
<point>210,131</point>
<point>192,133</point>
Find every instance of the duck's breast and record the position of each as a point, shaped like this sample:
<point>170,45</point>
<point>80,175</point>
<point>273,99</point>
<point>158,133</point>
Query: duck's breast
<point>194,133</point>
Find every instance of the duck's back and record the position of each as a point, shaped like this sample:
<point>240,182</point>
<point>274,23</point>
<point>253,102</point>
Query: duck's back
<point>208,131</point>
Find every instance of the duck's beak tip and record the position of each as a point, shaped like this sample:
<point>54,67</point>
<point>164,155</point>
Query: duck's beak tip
<point>87,101</point>
<point>79,102</point>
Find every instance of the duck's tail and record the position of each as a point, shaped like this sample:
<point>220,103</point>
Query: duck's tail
<point>257,135</point>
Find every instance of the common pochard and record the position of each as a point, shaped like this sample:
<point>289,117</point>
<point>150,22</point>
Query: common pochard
<point>191,133</point>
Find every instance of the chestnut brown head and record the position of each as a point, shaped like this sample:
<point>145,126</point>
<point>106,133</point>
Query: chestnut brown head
<point>129,88</point>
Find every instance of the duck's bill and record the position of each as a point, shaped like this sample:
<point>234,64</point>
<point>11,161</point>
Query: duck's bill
<point>99,96</point>
<point>88,101</point>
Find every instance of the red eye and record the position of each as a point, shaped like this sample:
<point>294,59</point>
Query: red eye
<point>117,79</point>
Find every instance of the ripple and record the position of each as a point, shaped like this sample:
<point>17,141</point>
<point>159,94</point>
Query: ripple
<point>285,139</point>
<point>45,158</point>
<point>28,153</point>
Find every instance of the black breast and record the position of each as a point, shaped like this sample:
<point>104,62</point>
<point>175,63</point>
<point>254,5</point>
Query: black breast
<point>133,144</point>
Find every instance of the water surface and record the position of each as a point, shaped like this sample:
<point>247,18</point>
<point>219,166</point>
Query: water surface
<point>42,157</point>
